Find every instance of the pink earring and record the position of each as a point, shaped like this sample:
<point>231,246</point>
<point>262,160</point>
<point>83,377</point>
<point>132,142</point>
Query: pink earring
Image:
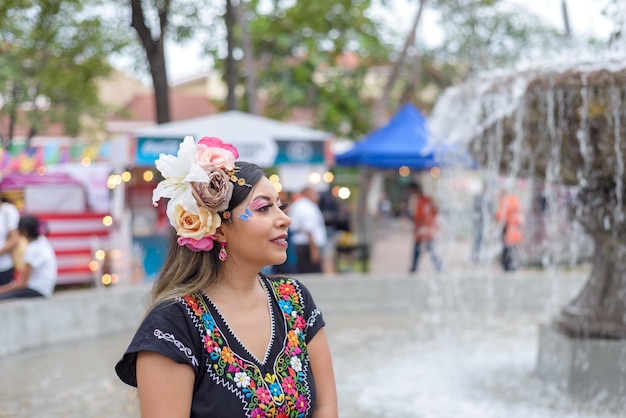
<point>223,254</point>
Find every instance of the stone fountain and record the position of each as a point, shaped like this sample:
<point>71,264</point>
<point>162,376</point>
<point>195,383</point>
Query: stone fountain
<point>562,126</point>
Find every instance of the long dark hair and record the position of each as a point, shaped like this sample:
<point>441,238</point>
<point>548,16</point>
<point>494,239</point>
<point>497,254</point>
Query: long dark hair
<point>185,271</point>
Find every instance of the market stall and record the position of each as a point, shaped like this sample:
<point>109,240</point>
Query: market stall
<point>75,220</point>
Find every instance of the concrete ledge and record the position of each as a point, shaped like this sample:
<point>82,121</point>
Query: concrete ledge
<point>71,316</point>
<point>487,295</point>
<point>584,368</point>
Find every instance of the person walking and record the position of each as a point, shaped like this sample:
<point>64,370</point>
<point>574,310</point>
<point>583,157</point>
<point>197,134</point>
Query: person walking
<point>9,239</point>
<point>39,274</point>
<point>424,226</point>
<point>308,231</point>
<point>482,210</point>
<point>510,215</point>
<point>220,339</point>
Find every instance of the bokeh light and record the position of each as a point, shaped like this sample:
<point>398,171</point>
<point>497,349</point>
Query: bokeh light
<point>343,193</point>
<point>315,177</point>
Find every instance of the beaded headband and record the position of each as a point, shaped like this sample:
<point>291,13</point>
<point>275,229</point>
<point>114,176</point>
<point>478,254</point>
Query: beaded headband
<point>199,182</point>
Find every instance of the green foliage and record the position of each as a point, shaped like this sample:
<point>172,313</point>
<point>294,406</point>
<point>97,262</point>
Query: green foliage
<point>298,44</point>
<point>52,54</point>
<point>341,109</point>
<point>298,47</point>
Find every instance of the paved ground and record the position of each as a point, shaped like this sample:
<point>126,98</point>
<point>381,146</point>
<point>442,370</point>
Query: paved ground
<point>393,248</point>
<point>434,366</point>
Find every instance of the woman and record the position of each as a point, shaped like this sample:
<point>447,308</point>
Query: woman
<point>9,238</point>
<point>39,275</point>
<point>219,338</point>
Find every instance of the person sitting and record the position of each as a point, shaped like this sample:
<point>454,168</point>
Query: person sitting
<point>39,276</point>
<point>9,238</point>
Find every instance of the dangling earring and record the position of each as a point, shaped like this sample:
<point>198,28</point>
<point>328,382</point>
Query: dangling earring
<point>223,254</point>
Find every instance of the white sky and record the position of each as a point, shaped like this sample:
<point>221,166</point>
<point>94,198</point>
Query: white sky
<point>585,18</point>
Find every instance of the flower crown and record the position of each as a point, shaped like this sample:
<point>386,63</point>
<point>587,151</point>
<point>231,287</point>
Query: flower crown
<point>199,182</point>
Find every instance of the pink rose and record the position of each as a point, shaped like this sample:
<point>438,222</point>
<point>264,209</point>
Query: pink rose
<point>205,244</point>
<point>209,158</point>
<point>212,142</point>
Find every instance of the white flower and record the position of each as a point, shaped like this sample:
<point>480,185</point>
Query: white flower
<point>296,364</point>
<point>179,172</point>
<point>242,380</point>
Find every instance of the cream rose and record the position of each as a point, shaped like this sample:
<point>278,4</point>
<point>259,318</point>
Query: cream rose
<point>189,225</point>
<point>216,193</point>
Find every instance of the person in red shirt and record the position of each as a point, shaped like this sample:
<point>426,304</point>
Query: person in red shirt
<point>424,226</point>
<point>510,215</point>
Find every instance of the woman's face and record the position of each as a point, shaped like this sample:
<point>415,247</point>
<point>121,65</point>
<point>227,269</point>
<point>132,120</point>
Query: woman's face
<point>258,232</point>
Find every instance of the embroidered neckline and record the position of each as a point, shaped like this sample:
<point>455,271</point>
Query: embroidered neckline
<point>284,391</point>
<point>232,333</point>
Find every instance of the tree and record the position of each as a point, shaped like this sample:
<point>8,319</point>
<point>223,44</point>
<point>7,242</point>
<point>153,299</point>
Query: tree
<point>487,34</point>
<point>231,73</point>
<point>152,39</point>
<point>298,49</point>
<point>156,21</point>
<point>381,103</point>
<point>51,55</point>
<point>249,70</point>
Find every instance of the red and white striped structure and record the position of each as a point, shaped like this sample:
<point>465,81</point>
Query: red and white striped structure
<point>76,237</point>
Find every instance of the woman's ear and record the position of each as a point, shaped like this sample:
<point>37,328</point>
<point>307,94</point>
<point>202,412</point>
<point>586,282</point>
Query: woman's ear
<point>219,234</point>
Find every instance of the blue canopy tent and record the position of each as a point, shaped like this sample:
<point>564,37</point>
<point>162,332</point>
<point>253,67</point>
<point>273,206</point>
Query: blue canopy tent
<point>404,141</point>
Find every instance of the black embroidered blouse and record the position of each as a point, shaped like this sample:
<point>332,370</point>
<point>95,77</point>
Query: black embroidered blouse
<point>230,381</point>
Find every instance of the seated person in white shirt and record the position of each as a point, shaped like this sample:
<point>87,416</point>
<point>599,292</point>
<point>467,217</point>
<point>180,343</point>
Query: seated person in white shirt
<point>39,276</point>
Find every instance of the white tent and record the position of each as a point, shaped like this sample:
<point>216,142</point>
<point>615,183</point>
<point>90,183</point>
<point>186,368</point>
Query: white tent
<point>263,141</point>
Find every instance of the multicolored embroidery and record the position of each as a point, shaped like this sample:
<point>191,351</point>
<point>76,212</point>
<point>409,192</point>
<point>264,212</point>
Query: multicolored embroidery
<point>283,393</point>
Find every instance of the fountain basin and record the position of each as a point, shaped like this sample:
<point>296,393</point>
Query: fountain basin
<point>585,368</point>
<point>562,125</point>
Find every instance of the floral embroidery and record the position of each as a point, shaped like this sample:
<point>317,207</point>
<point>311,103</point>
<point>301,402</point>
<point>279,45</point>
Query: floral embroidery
<point>282,393</point>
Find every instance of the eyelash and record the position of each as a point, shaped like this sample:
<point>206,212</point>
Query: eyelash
<point>266,208</point>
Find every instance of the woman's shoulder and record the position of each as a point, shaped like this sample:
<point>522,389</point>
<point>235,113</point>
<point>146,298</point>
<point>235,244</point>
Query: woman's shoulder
<point>175,316</point>
<point>8,206</point>
<point>170,309</point>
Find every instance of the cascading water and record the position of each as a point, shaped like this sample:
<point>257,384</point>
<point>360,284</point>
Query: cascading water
<point>559,126</point>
